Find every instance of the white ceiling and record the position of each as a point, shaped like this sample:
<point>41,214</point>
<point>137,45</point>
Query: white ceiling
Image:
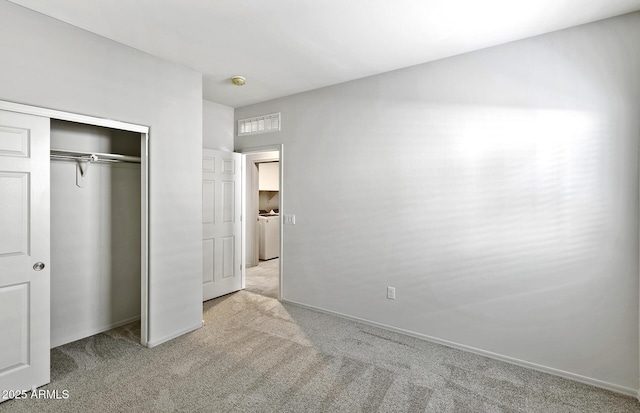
<point>284,47</point>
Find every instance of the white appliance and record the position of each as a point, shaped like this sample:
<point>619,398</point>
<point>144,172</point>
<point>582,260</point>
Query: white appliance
<point>269,237</point>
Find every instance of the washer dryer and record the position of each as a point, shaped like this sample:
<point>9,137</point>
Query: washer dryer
<point>269,237</point>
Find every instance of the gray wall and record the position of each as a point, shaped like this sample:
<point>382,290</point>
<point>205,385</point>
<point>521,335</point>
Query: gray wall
<point>217,129</point>
<point>54,65</point>
<point>497,191</point>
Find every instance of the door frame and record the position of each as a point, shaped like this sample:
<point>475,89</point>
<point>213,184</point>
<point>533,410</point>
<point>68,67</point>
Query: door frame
<point>257,149</point>
<point>250,167</point>
<point>144,188</point>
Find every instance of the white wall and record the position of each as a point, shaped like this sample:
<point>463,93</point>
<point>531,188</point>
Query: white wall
<point>217,129</point>
<point>269,200</point>
<point>497,191</point>
<point>54,65</point>
<point>95,235</point>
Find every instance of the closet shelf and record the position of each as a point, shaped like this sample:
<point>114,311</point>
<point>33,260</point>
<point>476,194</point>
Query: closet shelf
<point>63,154</point>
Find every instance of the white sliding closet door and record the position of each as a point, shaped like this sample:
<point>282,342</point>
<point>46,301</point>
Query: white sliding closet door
<point>24,251</point>
<point>221,226</point>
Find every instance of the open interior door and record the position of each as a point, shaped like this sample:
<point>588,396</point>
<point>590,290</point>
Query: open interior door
<point>221,225</point>
<point>24,252</point>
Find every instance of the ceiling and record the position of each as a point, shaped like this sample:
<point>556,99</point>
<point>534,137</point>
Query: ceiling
<point>284,47</point>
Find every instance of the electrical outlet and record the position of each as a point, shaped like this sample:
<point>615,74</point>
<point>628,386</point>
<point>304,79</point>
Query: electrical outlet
<point>391,293</point>
<point>289,219</point>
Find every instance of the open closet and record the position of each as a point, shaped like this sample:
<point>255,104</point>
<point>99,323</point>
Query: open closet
<point>95,186</point>
<point>74,222</point>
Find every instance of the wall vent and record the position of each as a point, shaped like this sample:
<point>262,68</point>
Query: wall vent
<point>259,124</point>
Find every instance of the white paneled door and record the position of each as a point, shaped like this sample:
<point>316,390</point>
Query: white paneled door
<point>24,253</point>
<point>221,226</point>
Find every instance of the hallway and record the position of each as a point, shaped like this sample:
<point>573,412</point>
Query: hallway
<point>263,278</point>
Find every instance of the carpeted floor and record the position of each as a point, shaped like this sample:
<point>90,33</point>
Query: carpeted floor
<point>257,355</point>
<point>263,279</point>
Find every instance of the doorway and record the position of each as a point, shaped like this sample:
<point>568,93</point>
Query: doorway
<point>262,248</point>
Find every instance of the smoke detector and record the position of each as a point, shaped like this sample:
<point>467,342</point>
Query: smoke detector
<point>238,80</point>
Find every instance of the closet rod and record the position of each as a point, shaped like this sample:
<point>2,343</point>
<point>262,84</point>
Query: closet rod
<point>92,156</point>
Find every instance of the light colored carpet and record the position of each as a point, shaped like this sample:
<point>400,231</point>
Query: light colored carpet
<point>263,279</point>
<point>257,355</point>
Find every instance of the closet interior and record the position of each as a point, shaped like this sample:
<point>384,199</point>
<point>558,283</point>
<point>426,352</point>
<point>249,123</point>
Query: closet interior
<point>95,229</point>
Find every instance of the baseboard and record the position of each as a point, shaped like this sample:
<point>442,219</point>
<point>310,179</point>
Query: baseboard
<point>550,370</point>
<point>92,331</point>
<point>153,343</point>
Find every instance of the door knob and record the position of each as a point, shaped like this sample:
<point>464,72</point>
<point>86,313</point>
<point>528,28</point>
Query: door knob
<point>38,266</point>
